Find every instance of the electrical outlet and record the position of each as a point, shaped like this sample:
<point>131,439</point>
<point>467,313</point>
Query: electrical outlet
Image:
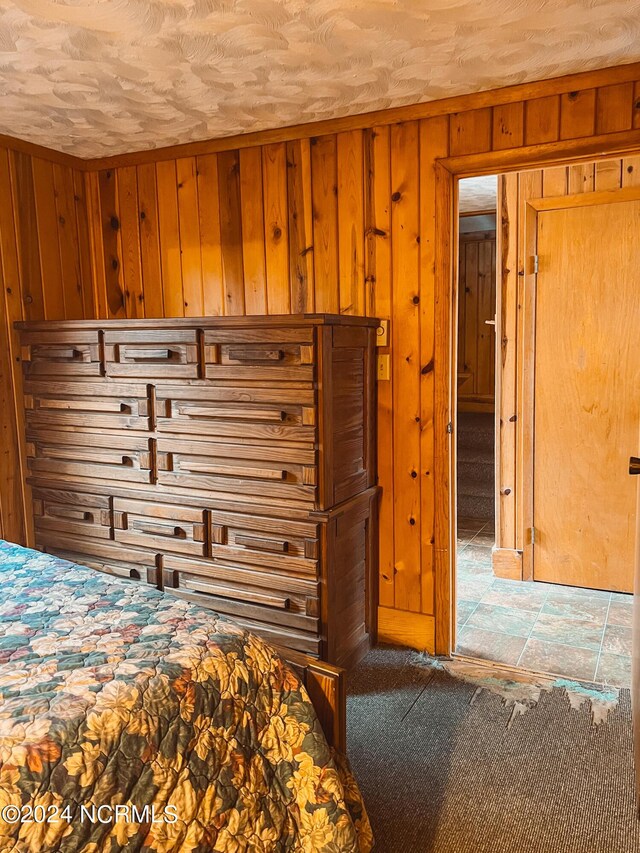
<point>384,367</point>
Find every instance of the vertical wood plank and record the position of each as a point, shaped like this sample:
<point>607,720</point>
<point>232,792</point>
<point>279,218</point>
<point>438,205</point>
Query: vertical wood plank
<point>434,142</point>
<point>542,120</point>
<point>506,398</point>
<point>167,187</point>
<point>614,108</point>
<point>508,126</point>
<point>68,242</point>
<point>46,236</point>
<point>471,131</point>
<point>110,219</point>
<point>636,105</point>
<point>577,114</point>
<point>231,231</point>
<point>99,281</point>
<point>274,177</point>
<point>127,186</point>
<point>351,221</point>
<point>405,231</point>
<point>84,245</point>
<point>608,175</point>
<point>26,225</point>
<point>189,226</point>
<point>631,172</point>
<point>486,311</point>
<point>378,270</point>
<point>581,178</point>
<point>253,251</point>
<point>300,225</point>
<point>471,297</point>
<point>554,182</point>
<point>211,251</point>
<point>150,262</point>
<point>324,180</point>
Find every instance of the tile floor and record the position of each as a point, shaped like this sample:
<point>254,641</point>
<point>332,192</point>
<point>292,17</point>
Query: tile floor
<point>578,633</point>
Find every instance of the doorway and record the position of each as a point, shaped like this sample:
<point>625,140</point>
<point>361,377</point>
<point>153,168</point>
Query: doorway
<point>543,584</point>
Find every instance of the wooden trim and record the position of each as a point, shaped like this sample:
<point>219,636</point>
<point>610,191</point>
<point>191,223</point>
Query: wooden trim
<point>445,106</point>
<point>405,628</point>
<point>490,211</point>
<point>585,199</point>
<point>591,148</point>
<point>44,153</point>
<point>447,169</point>
<point>507,563</point>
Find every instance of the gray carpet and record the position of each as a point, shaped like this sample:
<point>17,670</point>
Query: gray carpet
<point>476,465</point>
<point>440,773</point>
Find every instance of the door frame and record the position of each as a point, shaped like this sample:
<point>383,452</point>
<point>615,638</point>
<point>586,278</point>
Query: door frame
<point>533,208</point>
<point>447,172</point>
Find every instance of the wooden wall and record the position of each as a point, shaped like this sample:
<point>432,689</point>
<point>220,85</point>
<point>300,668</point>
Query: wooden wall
<point>476,338</point>
<point>45,271</point>
<point>339,216</point>
<point>513,191</point>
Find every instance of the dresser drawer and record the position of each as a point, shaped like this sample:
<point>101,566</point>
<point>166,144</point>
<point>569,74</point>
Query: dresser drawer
<point>260,414</point>
<point>145,353</point>
<point>61,354</point>
<point>161,527</point>
<point>282,355</point>
<point>264,471</point>
<point>86,405</point>
<point>268,603</point>
<point>61,455</point>
<point>264,543</point>
<point>109,557</point>
<point>72,513</point>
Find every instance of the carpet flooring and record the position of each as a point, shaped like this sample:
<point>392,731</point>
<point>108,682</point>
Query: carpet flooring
<point>442,773</point>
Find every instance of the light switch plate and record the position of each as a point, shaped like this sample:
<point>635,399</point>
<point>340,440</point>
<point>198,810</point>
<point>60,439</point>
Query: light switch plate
<point>383,367</point>
<point>382,334</point>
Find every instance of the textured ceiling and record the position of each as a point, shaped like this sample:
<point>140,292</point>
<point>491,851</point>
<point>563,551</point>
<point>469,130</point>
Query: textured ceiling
<point>477,193</point>
<point>96,77</point>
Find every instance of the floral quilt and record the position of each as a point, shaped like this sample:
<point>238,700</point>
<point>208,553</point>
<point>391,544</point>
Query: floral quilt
<point>131,720</point>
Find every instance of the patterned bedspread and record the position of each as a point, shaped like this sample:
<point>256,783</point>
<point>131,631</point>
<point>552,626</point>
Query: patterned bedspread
<point>134,721</point>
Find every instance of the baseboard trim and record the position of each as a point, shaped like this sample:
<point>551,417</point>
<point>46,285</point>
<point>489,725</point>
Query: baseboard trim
<point>507,563</point>
<point>403,628</point>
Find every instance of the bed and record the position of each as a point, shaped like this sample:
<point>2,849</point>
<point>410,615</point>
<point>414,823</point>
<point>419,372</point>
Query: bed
<point>189,733</point>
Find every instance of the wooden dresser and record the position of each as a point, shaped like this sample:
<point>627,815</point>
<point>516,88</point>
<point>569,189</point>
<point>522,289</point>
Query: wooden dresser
<point>230,461</point>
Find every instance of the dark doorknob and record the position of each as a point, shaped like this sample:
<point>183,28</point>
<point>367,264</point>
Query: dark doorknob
<point>634,465</point>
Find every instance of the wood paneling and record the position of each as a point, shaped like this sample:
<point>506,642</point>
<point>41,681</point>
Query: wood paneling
<point>318,201</point>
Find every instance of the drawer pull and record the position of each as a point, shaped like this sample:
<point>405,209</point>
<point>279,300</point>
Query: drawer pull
<point>274,545</point>
<point>266,599</point>
<point>256,354</point>
<point>233,414</point>
<point>122,572</point>
<point>233,471</point>
<point>155,354</point>
<point>171,531</point>
<point>62,352</point>
<point>85,405</point>
<point>68,512</point>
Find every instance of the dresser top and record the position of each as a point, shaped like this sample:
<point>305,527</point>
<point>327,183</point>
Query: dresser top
<point>277,320</point>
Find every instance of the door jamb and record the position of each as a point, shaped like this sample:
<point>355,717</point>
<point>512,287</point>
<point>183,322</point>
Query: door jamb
<point>448,170</point>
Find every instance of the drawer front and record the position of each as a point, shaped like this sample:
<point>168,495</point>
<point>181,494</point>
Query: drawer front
<point>261,415</point>
<point>281,608</point>
<point>109,557</point>
<point>65,455</point>
<point>282,355</point>
<point>61,354</point>
<point>145,353</point>
<point>264,471</point>
<point>72,513</point>
<point>265,543</point>
<point>86,405</point>
<point>160,527</point>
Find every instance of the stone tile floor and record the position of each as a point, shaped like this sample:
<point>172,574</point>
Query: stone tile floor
<point>581,634</point>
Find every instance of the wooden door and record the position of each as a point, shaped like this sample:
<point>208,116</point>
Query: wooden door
<point>586,393</point>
